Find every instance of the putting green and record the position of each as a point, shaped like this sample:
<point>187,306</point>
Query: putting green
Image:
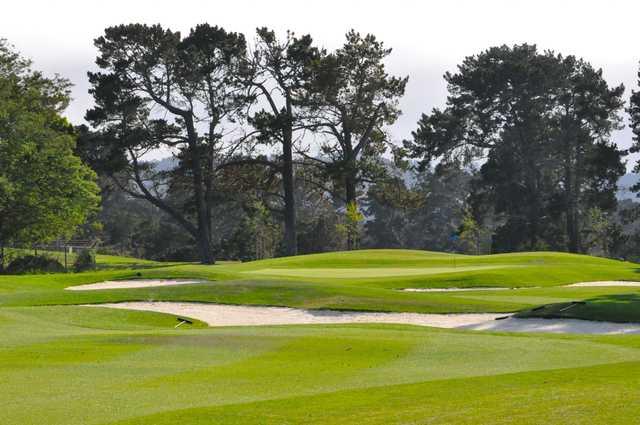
<point>363,273</point>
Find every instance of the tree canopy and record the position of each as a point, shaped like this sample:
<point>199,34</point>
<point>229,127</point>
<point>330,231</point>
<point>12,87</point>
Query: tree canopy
<point>46,191</point>
<point>160,90</point>
<point>351,102</point>
<point>279,75</point>
<point>276,146</point>
<point>541,123</point>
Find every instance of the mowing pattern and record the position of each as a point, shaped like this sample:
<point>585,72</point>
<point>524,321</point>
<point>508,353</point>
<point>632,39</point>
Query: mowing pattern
<point>75,365</point>
<point>65,364</point>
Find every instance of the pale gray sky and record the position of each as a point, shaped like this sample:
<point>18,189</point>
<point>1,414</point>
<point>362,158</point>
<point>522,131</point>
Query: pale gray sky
<point>428,37</point>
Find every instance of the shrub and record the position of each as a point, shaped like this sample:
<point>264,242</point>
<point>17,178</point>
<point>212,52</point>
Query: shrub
<point>34,264</point>
<point>86,260</point>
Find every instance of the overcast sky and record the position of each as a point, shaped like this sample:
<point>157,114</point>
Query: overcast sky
<point>428,37</point>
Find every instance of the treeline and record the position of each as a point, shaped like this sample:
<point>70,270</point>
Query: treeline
<point>280,147</point>
<point>239,120</point>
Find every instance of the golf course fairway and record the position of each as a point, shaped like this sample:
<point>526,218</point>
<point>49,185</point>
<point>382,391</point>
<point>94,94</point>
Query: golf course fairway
<point>63,363</point>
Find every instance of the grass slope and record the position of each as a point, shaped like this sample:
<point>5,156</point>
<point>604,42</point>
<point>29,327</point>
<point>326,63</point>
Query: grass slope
<point>77,365</point>
<point>359,280</point>
<point>612,308</point>
<point>66,364</point>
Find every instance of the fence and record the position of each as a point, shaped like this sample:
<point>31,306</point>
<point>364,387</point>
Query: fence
<point>65,252</point>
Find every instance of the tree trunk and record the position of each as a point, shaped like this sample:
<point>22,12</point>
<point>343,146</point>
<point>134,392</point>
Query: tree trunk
<point>351,198</point>
<point>1,257</point>
<point>350,180</point>
<point>534,208</point>
<point>531,151</point>
<point>350,188</point>
<point>572,187</point>
<point>208,178</point>
<point>573,244</point>
<point>205,247</point>
<point>288,186</point>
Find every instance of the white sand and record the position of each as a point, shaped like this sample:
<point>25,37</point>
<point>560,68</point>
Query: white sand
<point>138,283</point>
<point>230,315</point>
<point>576,326</point>
<point>606,283</point>
<point>454,289</point>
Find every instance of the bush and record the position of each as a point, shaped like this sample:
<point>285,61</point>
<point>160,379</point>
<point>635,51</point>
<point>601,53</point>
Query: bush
<point>86,260</point>
<point>34,264</point>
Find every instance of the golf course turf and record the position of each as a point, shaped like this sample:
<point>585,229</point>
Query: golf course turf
<point>61,363</point>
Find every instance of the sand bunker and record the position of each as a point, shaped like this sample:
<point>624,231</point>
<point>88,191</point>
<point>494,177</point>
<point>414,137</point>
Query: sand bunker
<point>575,326</point>
<point>230,315</point>
<point>138,283</point>
<point>454,289</point>
<point>606,283</point>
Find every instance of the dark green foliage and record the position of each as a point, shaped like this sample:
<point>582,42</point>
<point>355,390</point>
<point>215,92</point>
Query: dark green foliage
<point>32,264</point>
<point>423,215</point>
<point>138,228</point>
<point>634,122</point>
<point>46,192</point>
<point>543,123</point>
<point>318,217</point>
<point>158,89</point>
<point>280,71</point>
<point>352,100</point>
<point>86,260</point>
<point>394,208</point>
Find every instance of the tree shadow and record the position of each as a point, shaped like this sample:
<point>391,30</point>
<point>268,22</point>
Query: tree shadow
<point>621,308</point>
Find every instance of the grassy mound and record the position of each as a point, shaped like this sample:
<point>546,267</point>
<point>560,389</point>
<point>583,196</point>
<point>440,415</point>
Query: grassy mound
<point>430,269</point>
<point>370,280</point>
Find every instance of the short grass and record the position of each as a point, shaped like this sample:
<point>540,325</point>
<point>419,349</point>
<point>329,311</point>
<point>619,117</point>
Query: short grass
<point>65,364</point>
<point>77,365</point>
<point>361,280</point>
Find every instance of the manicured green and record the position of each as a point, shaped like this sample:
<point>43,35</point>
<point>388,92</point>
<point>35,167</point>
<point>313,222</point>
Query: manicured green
<point>360,280</point>
<point>67,364</point>
<point>79,365</point>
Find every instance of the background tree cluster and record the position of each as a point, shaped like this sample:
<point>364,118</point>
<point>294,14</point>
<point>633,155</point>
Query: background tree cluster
<point>276,146</point>
<point>238,121</point>
<point>521,157</point>
<point>540,124</point>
